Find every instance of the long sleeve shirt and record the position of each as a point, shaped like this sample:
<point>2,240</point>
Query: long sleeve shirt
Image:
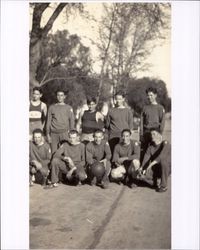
<point>96,152</point>
<point>117,120</point>
<point>132,151</point>
<point>157,153</point>
<point>60,118</point>
<point>153,116</point>
<point>75,152</point>
<point>40,153</point>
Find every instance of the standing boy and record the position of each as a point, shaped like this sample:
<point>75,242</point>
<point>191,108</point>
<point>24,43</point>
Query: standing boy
<point>90,121</point>
<point>37,112</point>
<point>153,116</point>
<point>60,120</point>
<point>118,119</point>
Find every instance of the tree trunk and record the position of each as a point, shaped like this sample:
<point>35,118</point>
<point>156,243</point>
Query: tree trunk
<point>35,55</point>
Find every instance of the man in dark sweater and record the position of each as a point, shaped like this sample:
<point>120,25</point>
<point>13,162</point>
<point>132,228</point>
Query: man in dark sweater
<point>99,151</point>
<point>60,120</point>
<point>39,156</point>
<point>153,116</point>
<point>157,160</point>
<point>69,159</point>
<point>126,159</point>
<point>118,118</point>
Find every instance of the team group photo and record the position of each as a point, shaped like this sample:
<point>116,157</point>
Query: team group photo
<point>100,126</point>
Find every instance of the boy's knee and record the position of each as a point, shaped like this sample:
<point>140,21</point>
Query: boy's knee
<point>118,172</point>
<point>136,164</point>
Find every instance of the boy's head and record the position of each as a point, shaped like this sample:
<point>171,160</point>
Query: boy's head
<point>61,95</point>
<point>37,94</point>
<point>98,136</point>
<point>156,136</point>
<point>73,137</point>
<point>92,103</point>
<point>151,94</point>
<point>38,136</point>
<point>119,98</point>
<point>126,136</point>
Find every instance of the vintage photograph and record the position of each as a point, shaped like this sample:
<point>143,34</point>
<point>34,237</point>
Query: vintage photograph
<point>100,125</point>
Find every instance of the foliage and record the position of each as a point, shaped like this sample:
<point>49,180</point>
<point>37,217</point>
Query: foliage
<point>128,32</point>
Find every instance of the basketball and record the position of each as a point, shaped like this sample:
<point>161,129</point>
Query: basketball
<point>98,170</point>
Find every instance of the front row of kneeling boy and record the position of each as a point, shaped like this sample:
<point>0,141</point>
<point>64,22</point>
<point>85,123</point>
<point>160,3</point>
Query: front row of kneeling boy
<point>94,162</point>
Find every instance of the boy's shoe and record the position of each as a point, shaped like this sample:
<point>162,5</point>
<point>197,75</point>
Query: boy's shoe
<point>79,184</point>
<point>133,185</point>
<point>33,178</point>
<point>105,185</point>
<point>54,185</point>
<point>161,189</point>
<point>94,181</point>
<point>31,183</point>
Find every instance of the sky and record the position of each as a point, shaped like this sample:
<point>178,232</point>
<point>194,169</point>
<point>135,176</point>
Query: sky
<point>160,58</point>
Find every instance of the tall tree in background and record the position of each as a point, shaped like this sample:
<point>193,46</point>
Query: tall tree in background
<point>38,33</point>
<point>128,32</point>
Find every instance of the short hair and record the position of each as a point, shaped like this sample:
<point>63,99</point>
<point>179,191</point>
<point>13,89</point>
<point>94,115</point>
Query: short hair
<point>155,129</point>
<point>98,131</point>
<point>73,132</point>
<point>126,130</point>
<point>120,93</point>
<point>61,90</point>
<point>151,89</point>
<point>37,89</point>
<point>38,130</point>
<point>91,99</point>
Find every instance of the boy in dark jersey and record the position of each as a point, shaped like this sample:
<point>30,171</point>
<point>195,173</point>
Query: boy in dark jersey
<point>99,151</point>
<point>37,112</point>
<point>69,159</point>
<point>157,160</point>
<point>118,119</point>
<point>90,121</point>
<point>39,156</point>
<point>126,159</point>
<point>152,116</point>
<point>60,120</point>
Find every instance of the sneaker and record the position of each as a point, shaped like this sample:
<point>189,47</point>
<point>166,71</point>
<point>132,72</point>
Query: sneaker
<point>31,183</point>
<point>161,189</point>
<point>104,185</point>
<point>54,185</point>
<point>79,184</point>
<point>94,181</point>
<point>33,178</point>
<point>133,185</point>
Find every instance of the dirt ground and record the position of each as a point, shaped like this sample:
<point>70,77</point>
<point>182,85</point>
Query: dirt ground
<point>86,217</point>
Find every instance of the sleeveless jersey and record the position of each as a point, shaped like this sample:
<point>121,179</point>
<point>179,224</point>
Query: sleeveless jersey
<point>89,123</point>
<point>35,112</point>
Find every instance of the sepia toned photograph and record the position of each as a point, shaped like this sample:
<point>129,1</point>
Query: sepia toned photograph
<point>99,125</point>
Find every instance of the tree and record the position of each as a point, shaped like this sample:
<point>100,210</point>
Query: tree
<point>128,32</point>
<point>136,93</point>
<point>39,33</point>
